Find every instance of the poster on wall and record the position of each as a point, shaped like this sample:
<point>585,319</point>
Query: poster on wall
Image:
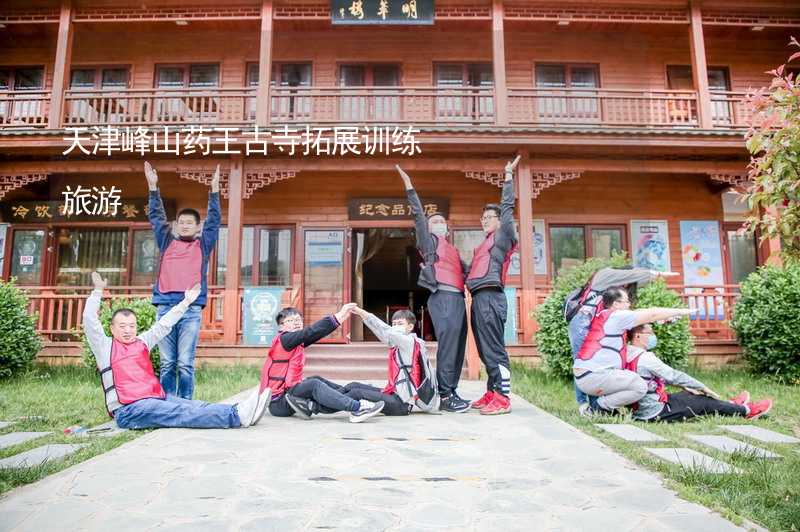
<point>701,253</point>
<point>3,233</point>
<point>259,308</point>
<point>510,330</point>
<point>324,248</point>
<point>650,243</point>
<point>539,252</point>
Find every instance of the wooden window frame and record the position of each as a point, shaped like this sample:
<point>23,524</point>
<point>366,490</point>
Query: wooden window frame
<point>187,67</point>
<point>98,74</point>
<point>568,73</point>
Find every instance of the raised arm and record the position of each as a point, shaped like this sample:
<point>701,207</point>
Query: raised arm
<point>155,209</point>
<point>163,326</point>
<point>670,375</point>
<point>92,328</point>
<point>507,200</point>
<point>384,331</point>
<point>425,241</point>
<point>650,315</point>
<point>213,216</point>
<point>317,330</point>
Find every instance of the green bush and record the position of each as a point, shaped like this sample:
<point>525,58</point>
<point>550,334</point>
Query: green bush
<point>145,318</point>
<point>19,341</point>
<point>552,339</point>
<point>766,319</point>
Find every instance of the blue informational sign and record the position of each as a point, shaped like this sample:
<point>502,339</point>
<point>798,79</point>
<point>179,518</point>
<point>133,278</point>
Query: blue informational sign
<point>259,308</point>
<point>511,320</point>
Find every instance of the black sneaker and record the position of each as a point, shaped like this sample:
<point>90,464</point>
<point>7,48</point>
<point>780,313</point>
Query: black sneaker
<point>302,407</point>
<point>367,410</point>
<point>453,403</point>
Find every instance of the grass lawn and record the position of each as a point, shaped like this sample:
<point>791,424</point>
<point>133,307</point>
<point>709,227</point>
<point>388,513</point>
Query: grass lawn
<point>767,492</point>
<point>66,396</point>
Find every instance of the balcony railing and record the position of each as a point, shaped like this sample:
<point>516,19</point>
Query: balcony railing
<point>24,109</point>
<point>603,107</point>
<point>424,106</point>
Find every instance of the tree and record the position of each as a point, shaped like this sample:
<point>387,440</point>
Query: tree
<point>773,141</point>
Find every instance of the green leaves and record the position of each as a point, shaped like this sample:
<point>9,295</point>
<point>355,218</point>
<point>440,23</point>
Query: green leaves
<point>766,319</point>
<point>19,341</point>
<point>145,318</point>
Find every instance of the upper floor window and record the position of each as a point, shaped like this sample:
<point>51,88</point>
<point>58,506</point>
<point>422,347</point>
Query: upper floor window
<point>580,106</point>
<point>679,77</point>
<point>560,76</point>
<point>283,75</point>
<point>192,76</point>
<point>468,106</point>
<point>21,78</point>
<point>99,78</point>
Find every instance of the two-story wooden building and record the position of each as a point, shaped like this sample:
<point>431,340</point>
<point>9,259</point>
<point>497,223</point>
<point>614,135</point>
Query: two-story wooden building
<point>629,116</point>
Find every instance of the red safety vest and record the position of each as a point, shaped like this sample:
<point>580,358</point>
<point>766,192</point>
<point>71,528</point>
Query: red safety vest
<point>482,258</point>
<point>592,345</point>
<point>397,377</point>
<point>447,269</point>
<point>132,376</point>
<point>179,268</point>
<point>658,382</point>
<point>282,369</point>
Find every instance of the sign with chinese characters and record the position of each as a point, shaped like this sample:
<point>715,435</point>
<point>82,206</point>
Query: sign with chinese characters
<point>382,11</point>
<point>393,208</point>
<point>260,306</point>
<point>47,211</point>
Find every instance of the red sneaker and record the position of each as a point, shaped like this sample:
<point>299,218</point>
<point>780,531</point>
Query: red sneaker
<point>759,408</point>
<point>501,404</point>
<point>483,401</point>
<point>741,399</point>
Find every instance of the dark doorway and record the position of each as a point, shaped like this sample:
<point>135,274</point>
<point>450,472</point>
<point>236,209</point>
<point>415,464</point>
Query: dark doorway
<point>385,270</point>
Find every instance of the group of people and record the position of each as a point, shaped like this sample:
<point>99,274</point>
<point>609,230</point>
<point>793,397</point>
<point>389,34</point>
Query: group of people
<point>609,373</point>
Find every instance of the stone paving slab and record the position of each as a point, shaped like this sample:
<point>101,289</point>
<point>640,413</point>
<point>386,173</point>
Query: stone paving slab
<point>689,458</point>
<point>15,438</point>
<point>730,445</point>
<point>630,433</point>
<point>760,434</point>
<point>39,455</point>
<point>515,472</point>
<point>4,424</point>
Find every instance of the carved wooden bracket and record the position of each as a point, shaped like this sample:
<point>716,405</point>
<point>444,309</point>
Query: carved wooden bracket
<point>256,180</point>
<point>205,176</point>
<point>9,182</point>
<point>493,178</point>
<point>734,179</point>
<point>543,179</point>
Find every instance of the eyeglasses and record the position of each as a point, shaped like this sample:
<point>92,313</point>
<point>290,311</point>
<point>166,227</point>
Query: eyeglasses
<point>486,217</point>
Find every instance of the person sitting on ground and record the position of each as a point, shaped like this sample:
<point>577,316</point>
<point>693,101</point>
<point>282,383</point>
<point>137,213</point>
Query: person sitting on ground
<point>133,394</point>
<point>283,370</point>
<point>696,400</point>
<point>598,368</point>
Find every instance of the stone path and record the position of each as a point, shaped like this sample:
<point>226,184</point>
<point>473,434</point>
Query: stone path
<point>15,438</point>
<point>760,434</point>
<point>38,456</point>
<point>730,446</point>
<point>630,433</point>
<point>523,471</point>
<point>691,459</point>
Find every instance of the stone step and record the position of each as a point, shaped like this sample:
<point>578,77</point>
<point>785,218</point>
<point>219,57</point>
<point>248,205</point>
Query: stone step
<point>760,434</point>
<point>630,433</point>
<point>730,446</point>
<point>39,455</point>
<point>691,459</point>
<point>15,438</point>
<point>4,424</point>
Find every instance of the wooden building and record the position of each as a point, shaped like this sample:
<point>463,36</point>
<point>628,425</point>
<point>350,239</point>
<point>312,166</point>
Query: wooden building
<point>629,116</point>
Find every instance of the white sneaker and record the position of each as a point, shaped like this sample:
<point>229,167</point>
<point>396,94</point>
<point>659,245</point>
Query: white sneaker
<point>367,410</point>
<point>585,410</point>
<point>263,399</point>
<point>247,409</point>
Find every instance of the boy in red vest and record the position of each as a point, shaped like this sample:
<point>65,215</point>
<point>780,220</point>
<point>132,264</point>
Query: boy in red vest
<point>486,282</point>
<point>283,370</point>
<point>183,262</point>
<point>442,273</point>
<point>133,395</point>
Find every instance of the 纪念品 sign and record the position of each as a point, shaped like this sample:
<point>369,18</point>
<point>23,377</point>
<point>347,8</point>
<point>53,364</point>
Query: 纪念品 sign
<point>393,208</point>
<point>382,11</point>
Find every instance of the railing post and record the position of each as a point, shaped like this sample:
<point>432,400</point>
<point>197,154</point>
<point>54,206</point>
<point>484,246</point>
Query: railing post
<point>264,65</point>
<point>61,67</point>
<point>230,304</point>
<point>499,64</point>
<point>526,251</point>
<point>699,67</point>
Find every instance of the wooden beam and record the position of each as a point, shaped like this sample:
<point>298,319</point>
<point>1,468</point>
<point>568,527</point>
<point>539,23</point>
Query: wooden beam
<point>230,304</point>
<point>499,64</point>
<point>699,66</point>
<point>264,65</point>
<point>526,250</point>
<point>61,66</point>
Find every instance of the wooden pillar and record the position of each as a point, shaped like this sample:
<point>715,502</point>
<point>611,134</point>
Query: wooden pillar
<point>61,66</point>
<point>264,65</point>
<point>499,64</point>
<point>231,304</point>
<point>526,251</point>
<point>699,66</point>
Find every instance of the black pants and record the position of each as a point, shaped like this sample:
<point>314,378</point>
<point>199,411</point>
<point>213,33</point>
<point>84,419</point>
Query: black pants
<point>328,396</point>
<point>488,317</point>
<point>394,406</point>
<point>684,405</point>
<point>449,317</point>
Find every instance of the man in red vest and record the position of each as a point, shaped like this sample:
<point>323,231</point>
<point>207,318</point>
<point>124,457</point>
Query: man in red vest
<point>183,262</point>
<point>133,395</point>
<point>442,273</point>
<point>486,281</point>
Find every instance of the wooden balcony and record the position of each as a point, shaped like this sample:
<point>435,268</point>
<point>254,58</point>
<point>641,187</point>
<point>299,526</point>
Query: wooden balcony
<point>24,109</point>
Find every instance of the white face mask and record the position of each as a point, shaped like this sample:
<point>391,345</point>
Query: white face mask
<point>400,329</point>
<point>439,229</point>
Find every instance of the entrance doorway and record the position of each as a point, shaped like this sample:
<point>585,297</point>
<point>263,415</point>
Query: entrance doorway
<point>385,268</point>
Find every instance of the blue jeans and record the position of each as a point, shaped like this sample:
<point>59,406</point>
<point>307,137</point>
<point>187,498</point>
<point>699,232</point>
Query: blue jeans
<point>577,329</point>
<point>177,413</point>
<point>177,352</point>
